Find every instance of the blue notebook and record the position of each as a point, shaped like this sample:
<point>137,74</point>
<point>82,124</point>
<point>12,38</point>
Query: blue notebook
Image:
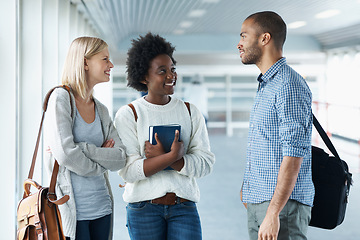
<point>166,135</point>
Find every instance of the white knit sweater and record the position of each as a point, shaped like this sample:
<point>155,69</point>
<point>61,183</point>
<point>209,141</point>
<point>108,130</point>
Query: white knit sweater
<point>198,159</point>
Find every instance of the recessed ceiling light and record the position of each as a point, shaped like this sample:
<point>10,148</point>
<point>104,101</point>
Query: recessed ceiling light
<point>185,24</point>
<point>197,13</point>
<point>297,24</point>
<point>327,13</point>
<point>211,1</point>
<point>179,31</point>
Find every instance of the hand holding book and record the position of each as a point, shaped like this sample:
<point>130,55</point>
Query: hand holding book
<point>165,133</point>
<point>154,150</point>
<point>165,139</point>
<point>177,146</point>
<point>157,148</point>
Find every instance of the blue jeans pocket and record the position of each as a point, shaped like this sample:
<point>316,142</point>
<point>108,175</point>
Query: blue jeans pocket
<point>137,205</point>
<point>188,204</point>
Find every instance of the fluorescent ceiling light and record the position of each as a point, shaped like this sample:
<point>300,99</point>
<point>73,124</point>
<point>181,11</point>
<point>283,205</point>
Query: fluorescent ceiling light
<point>185,24</point>
<point>197,13</point>
<point>327,13</point>
<point>297,24</point>
<point>179,31</point>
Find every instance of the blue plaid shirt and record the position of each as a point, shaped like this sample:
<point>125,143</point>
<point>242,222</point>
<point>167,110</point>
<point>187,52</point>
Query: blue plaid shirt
<point>280,125</point>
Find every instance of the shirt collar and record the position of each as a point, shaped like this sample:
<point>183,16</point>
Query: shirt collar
<point>272,70</point>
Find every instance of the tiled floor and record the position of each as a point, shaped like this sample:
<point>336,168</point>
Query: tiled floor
<point>222,214</point>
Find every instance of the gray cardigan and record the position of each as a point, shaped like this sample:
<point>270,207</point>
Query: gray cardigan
<point>82,158</point>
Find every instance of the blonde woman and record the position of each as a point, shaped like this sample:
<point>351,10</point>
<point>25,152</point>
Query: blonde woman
<point>82,138</point>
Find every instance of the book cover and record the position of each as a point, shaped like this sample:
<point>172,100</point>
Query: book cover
<point>166,135</point>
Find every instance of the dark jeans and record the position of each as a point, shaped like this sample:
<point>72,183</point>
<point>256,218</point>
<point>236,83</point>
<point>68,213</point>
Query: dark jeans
<point>97,229</point>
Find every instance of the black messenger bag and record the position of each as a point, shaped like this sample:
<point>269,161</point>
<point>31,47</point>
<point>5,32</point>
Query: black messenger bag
<point>332,180</point>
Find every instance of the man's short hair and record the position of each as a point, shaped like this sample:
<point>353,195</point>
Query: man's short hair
<point>270,22</point>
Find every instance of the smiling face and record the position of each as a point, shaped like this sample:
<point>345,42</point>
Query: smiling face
<point>249,45</point>
<point>160,79</point>
<point>97,68</point>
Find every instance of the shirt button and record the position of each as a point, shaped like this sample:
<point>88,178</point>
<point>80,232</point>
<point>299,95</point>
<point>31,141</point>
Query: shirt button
<point>249,144</point>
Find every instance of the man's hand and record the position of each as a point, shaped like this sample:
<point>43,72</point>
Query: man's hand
<point>289,170</point>
<point>269,228</point>
<point>245,204</point>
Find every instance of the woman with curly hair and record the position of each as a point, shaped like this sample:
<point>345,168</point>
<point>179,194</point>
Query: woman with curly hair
<point>161,189</point>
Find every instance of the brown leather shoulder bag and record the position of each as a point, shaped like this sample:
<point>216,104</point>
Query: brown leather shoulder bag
<point>38,216</point>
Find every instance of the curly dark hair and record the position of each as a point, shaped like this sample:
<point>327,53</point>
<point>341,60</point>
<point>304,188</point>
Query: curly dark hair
<point>142,52</point>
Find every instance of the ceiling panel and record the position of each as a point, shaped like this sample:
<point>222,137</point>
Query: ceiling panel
<point>118,19</point>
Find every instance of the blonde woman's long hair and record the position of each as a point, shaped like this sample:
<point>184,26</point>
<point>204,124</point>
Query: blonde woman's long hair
<point>74,68</point>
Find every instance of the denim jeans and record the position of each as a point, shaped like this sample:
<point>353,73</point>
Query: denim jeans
<point>97,229</point>
<point>294,220</point>
<point>147,221</point>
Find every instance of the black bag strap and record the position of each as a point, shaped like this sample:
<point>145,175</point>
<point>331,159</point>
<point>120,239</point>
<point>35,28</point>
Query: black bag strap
<point>325,137</point>
<point>332,149</point>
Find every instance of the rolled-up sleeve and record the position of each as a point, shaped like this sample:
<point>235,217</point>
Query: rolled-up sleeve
<point>294,111</point>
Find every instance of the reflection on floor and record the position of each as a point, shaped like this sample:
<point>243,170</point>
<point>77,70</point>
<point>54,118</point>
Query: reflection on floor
<point>222,214</point>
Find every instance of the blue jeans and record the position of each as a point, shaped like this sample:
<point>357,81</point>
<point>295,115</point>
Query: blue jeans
<point>147,221</point>
<point>97,229</point>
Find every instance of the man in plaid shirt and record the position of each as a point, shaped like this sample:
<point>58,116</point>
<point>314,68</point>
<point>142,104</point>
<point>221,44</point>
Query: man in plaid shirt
<point>277,188</point>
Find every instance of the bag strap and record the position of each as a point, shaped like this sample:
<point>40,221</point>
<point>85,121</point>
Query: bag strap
<point>51,191</point>
<point>328,142</point>
<point>325,137</point>
<point>134,111</point>
<point>332,149</point>
<point>188,107</point>
<point>136,116</point>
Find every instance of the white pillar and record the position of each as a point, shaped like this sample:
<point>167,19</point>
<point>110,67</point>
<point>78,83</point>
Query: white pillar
<point>8,120</point>
<point>50,55</point>
<point>63,32</point>
<point>30,85</point>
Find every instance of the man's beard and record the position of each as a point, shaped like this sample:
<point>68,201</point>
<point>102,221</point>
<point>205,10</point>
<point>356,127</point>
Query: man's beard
<point>252,54</point>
